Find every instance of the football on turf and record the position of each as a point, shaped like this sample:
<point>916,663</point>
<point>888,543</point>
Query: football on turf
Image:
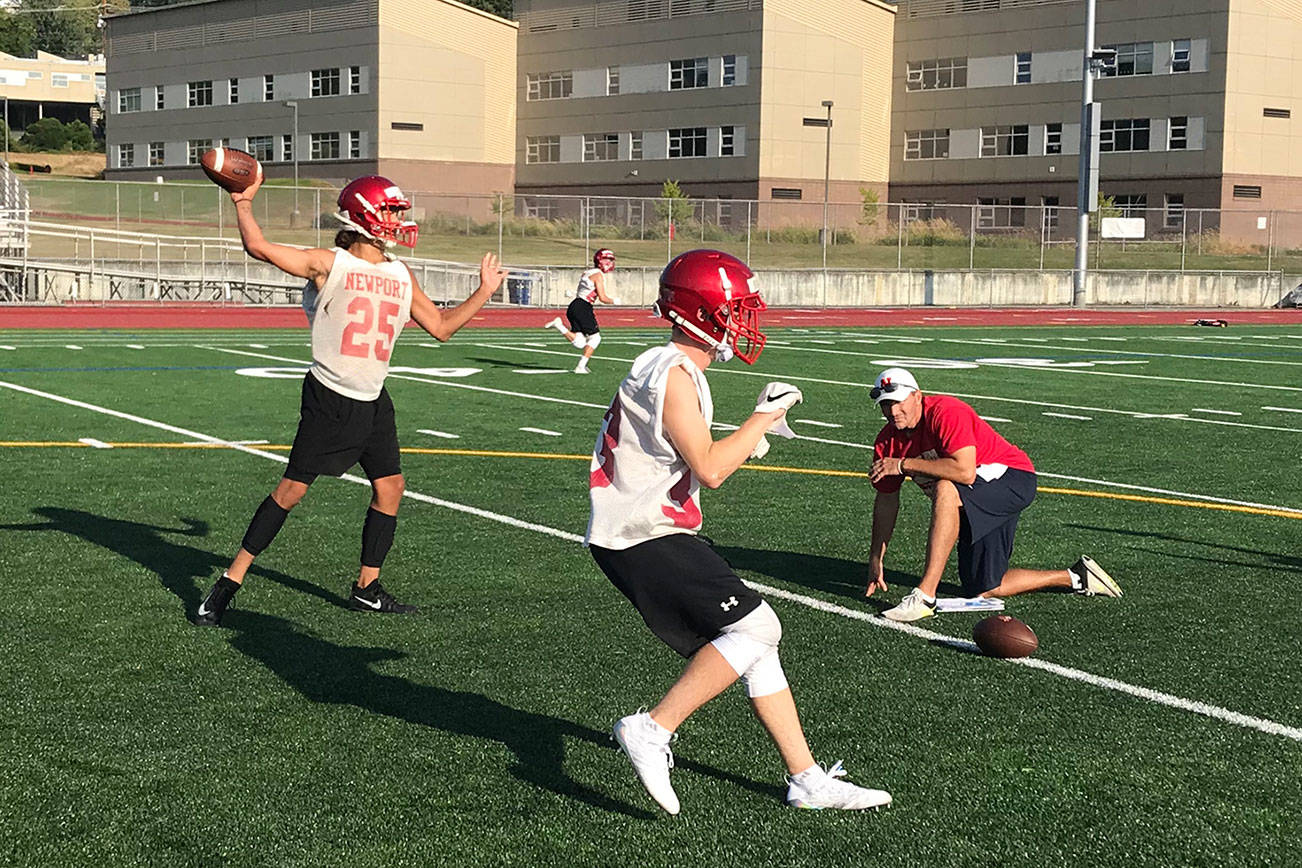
<point>1004,636</point>
<point>231,169</point>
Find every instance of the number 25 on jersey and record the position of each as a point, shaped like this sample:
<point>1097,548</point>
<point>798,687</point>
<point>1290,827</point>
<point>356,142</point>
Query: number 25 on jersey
<point>368,334</point>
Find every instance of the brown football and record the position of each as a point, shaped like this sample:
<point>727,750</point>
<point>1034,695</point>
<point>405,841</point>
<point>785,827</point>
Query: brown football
<point>231,169</point>
<point>1004,636</point>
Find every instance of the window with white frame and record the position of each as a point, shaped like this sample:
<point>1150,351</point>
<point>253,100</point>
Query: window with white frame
<point>233,90</point>
<point>354,79</point>
<point>729,70</point>
<point>612,81</point>
<point>58,79</point>
<point>199,93</point>
<point>126,156</point>
<point>998,213</point>
<point>723,212</point>
<point>325,82</point>
<point>194,149</point>
<point>540,209</point>
<point>940,74</point>
<point>687,142</point>
<point>1053,138</point>
<point>1131,204</point>
<point>1180,55</point>
<point>689,73</point>
<point>1005,141</point>
<point>1177,134</point>
<point>355,144</point>
<point>926,145</point>
<point>542,149</point>
<point>603,211</point>
<point>636,212</point>
<point>263,148</point>
<point>1049,206</point>
<point>727,141</point>
<point>1133,58</point>
<point>635,145</point>
<point>1173,214</point>
<point>549,85</point>
<point>1124,134</point>
<point>128,100</point>
<point>600,147</point>
<point>158,98</point>
<point>156,153</point>
<point>268,88</point>
<point>287,147</point>
<point>325,146</point>
<point>1023,74</point>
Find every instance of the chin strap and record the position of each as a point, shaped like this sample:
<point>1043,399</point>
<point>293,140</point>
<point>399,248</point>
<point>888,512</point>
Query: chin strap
<point>723,351</point>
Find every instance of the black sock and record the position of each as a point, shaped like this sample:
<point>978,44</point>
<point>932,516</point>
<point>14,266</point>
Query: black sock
<point>377,537</point>
<point>265,525</point>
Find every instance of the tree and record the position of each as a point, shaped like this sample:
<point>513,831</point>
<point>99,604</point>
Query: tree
<point>79,137</point>
<point>17,36</point>
<point>47,134</point>
<point>674,204</point>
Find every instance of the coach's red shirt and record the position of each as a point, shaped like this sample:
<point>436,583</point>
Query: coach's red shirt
<point>947,426</point>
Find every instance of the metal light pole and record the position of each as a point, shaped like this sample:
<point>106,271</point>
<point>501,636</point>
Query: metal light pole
<point>293,149</point>
<point>827,166</point>
<point>6,131</point>
<point>1087,187</point>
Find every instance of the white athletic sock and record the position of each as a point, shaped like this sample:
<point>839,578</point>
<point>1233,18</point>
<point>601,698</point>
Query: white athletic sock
<point>656,730</point>
<point>930,601</point>
<point>809,775</point>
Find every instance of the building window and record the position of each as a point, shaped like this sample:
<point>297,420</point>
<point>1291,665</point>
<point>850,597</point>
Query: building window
<point>612,81</point>
<point>354,79</point>
<point>687,142</point>
<point>542,149</point>
<point>355,145</point>
<point>1180,56</point>
<point>194,149</point>
<point>1011,141</point>
<point>262,148</point>
<point>126,156</point>
<point>942,74</point>
<point>409,126</point>
<point>1049,204</point>
<point>604,212</point>
<point>550,85</point>
<point>690,73</point>
<point>325,82</point>
<point>233,91</point>
<point>926,145</point>
<point>268,88</point>
<point>325,146</point>
<point>155,153</point>
<point>1177,138</point>
<point>1280,113</point>
<point>1053,138</point>
<point>58,79</point>
<point>635,146</point>
<point>600,147</point>
<point>1131,204</point>
<point>786,193</point>
<point>540,209</point>
<point>727,141</point>
<point>1001,213</point>
<point>287,147</point>
<point>1174,213</point>
<point>1247,191</point>
<point>199,94</point>
<point>729,70</point>
<point>1023,75</point>
<point>129,100</point>
<point>158,98</point>
<point>1133,58</point>
<point>1129,134</point>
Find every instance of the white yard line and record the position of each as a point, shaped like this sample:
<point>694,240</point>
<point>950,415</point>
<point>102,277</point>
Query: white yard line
<point>444,434</point>
<point>92,442</point>
<point>1214,712</point>
<point>543,431</point>
<point>994,418</point>
<point>1216,412</point>
<point>71,347</point>
<point>1283,409</point>
<point>135,346</point>
<point>1068,416</point>
<point>528,371</point>
<point>6,347</point>
<point>817,424</point>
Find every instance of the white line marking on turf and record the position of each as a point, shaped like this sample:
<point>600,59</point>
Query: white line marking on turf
<point>1216,412</point>
<point>258,346</point>
<point>540,371</point>
<point>817,424</point>
<point>1068,416</point>
<point>135,346</point>
<point>542,431</point>
<point>445,435</point>
<point>71,347</point>
<point>1283,409</point>
<point>994,418</point>
<point>91,441</point>
<point>1269,727</point>
<point>6,347</point>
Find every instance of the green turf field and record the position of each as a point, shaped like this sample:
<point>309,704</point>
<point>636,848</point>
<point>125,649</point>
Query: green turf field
<point>1164,728</point>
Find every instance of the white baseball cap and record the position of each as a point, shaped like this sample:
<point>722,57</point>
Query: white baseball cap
<point>893,384</point>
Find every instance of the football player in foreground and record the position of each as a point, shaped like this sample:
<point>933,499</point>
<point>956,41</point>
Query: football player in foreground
<point>584,332</point>
<point>978,484</point>
<point>357,299</point>
<point>653,453</point>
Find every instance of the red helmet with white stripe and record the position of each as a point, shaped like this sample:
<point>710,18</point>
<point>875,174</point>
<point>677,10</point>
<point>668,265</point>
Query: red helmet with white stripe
<point>375,207</point>
<point>604,259</point>
<point>710,295</point>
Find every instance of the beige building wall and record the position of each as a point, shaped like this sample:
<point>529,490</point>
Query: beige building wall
<point>48,81</point>
<point>451,70</point>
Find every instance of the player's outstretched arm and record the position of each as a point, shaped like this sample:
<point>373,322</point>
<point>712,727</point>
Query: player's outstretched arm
<point>599,281</point>
<point>712,461</point>
<point>443,324</point>
<point>886,508</point>
<point>312,263</point>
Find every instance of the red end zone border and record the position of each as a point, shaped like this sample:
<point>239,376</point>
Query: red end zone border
<point>201,316</point>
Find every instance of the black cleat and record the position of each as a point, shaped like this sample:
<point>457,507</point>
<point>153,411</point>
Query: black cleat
<point>215,604</point>
<point>374,598</point>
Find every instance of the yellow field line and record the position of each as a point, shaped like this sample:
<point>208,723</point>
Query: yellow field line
<point>562,456</point>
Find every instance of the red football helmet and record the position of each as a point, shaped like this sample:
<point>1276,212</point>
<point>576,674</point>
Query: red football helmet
<point>709,295</point>
<point>374,206</point>
<point>604,259</point>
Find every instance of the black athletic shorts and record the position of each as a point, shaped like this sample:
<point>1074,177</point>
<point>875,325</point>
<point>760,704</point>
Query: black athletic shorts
<point>987,524</point>
<point>582,318</point>
<point>335,432</point>
<point>685,592</point>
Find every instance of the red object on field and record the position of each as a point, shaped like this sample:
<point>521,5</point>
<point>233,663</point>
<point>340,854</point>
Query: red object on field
<point>671,230</point>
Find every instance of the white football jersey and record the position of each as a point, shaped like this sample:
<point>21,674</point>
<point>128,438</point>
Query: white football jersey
<point>587,290</point>
<point>639,486</point>
<point>355,319</point>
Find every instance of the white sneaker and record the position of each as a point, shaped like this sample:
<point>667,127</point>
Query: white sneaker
<point>911,608</point>
<point>555,324</point>
<point>1097,582</point>
<point>648,749</point>
<point>582,369</point>
<point>825,791</point>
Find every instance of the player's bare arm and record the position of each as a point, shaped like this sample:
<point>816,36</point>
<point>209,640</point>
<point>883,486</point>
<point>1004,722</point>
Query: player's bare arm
<point>599,282</point>
<point>443,324</point>
<point>712,461</point>
<point>959,467</point>
<point>312,263</point>
<point>886,508</point>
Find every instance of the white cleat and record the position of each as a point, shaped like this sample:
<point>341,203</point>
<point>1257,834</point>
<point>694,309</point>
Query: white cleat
<point>648,749</point>
<point>912,608</point>
<point>582,369</point>
<point>555,324</point>
<point>825,791</point>
<point>1097,581</point>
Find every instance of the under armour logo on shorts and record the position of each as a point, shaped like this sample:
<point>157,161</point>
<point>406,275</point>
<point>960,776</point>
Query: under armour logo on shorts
<point>729,603</point>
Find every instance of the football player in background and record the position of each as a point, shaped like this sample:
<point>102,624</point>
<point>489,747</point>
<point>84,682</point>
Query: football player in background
<point>653,453</point>
<point>358,298</point>
<point>584,332</point>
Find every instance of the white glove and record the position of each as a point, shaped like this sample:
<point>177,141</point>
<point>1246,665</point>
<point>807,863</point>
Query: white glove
<point>613,300</point>
<point>761,449</point>
<point>779,396</point>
